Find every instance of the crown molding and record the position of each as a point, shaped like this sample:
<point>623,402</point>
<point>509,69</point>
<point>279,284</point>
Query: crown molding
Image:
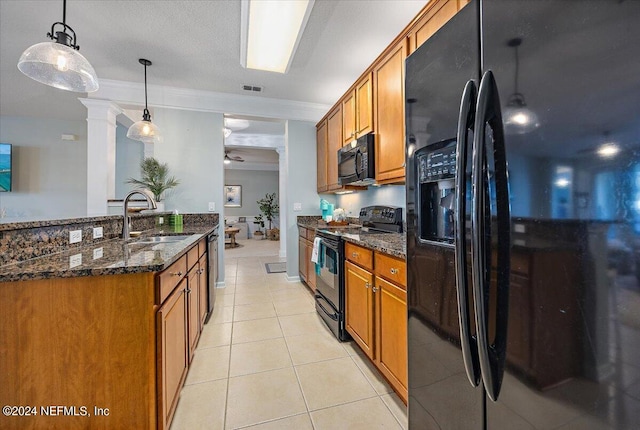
<point>130,94</point>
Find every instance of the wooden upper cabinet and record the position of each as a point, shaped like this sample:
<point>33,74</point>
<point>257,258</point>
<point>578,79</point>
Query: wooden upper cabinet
<point>349,117</point>
<point>334,143</point>
<point>364,106</point>
<point>321,155</point>
<point>440,12</point>
<point>357,110</point>
<point>388,81</point>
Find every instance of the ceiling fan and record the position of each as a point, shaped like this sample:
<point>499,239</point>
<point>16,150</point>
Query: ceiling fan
<point>228,159</point>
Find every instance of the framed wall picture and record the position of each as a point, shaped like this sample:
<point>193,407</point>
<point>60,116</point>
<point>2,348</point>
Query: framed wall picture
<point>232,196</point>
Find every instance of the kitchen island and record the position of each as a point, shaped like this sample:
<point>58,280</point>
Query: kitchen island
<point>101,335</point>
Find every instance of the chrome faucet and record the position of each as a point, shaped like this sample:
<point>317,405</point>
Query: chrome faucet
<point>125,222</point>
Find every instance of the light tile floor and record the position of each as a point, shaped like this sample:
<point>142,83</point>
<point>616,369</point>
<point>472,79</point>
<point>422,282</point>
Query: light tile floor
<point>266,361</point>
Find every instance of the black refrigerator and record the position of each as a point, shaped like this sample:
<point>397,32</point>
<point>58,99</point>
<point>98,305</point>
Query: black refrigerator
<point>523,217</point>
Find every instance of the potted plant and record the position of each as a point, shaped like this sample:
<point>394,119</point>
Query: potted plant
<point>259,221</point>
<point>269,207</point>
<point>155,177</point>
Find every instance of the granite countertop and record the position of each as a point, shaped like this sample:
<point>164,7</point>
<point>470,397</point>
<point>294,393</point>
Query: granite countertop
<point>394,244</point>
<point>109,257</point>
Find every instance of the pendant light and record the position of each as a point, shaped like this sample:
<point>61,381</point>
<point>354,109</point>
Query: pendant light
<point>59,64</point>
<point>144,130</point>
<point>518,118</point>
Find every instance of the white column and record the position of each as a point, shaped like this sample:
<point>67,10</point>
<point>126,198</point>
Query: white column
<point>101,154</point>
<point>282,200</point>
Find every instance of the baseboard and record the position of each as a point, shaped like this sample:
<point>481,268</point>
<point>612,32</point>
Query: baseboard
<point>220,284</point>
<point>293,278</point>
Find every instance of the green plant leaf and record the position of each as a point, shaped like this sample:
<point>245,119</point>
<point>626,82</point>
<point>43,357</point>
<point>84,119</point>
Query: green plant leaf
<point>155,177</point>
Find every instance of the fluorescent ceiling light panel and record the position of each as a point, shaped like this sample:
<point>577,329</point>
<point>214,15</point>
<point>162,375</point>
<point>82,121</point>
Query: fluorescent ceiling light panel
<point>271,31</point>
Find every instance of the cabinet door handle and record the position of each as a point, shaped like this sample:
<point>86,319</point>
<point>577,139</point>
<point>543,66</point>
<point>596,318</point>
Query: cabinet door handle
<point>367,285</point>
<point>179,273</point>
<point>374,289</point>
<point>394,271</point>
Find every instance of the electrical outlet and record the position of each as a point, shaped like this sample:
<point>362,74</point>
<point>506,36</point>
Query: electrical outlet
<point>75,261</point>
<point>212,206</point>
<point>297,207</point>
<point>97,232</point>
<point>75,236</point>
<point>519,228</point>
<point>97,253</point>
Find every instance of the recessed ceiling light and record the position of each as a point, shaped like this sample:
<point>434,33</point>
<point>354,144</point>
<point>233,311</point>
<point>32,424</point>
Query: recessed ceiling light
<point>271,31</point>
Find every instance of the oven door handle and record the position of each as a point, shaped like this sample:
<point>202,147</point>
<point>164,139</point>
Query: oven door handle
<point>333,316</point>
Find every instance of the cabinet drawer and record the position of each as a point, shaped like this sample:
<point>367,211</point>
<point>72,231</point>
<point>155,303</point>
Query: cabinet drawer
<point>202,247</point>
<point>359,255</point>
<point>170,277</point>
<point>302,232</point>
<point>192,256</point>
<point>392,269</point>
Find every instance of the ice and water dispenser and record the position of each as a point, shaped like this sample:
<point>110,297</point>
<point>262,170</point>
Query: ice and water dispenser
<point>436,165</point>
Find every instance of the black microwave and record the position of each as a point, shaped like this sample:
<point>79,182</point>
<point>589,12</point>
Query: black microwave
<point>356,162</point>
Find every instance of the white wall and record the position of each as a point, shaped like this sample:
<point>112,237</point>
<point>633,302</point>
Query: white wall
<point>49,174</point>
<point>192,145</point>
<point>386,195</point>
<point>301,183</point>
<point>129,153</point>
<point>255,185</point>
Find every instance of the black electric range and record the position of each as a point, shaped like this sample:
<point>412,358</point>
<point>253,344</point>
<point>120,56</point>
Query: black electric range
<point>330,294</point>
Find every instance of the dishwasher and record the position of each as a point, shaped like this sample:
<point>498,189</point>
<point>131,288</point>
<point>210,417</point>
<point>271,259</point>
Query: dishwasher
<point>212,276</point>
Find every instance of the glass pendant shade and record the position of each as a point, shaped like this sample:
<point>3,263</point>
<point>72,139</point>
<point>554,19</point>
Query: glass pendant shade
<point>59,66</point>
<point>143,130</point>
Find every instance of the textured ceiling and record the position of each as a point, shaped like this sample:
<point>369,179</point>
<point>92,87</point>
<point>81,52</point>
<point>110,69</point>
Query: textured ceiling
<point>193,44</point>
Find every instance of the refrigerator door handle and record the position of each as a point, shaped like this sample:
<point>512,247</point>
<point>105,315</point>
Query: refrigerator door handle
<point>488,117</point>
<point>469,343</point>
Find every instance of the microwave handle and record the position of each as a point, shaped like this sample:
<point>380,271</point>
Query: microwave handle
<point>358,161</point>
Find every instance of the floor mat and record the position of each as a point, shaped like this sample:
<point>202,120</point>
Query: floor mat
<point>276,267</point>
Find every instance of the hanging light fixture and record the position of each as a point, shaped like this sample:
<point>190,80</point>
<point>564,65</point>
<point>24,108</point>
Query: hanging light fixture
<point>518,118</point>
<point>144,130</point>
<point>59,64</point>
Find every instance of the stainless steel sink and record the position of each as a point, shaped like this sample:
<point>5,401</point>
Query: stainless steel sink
<point>158,239</point>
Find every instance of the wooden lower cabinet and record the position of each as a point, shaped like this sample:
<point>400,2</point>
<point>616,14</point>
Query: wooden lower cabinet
<point>120,342</point>
<point>360,307</point>
<point>306,268</point>
<point>376,312</point>
<point>193,309</point>
<point>173,360</point>
<point>302,259</point>
<point>391,333</point>
<point>203,266</point>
